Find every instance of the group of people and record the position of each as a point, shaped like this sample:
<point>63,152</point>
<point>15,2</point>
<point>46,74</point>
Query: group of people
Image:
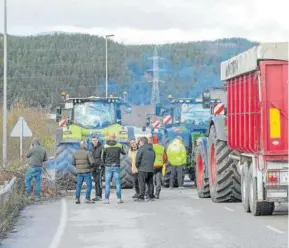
<point>147,159</point>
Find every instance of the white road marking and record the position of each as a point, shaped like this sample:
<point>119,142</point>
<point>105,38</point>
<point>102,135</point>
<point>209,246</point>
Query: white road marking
<point>274,229</point>
<point>62,225</point>
<point>229,209</point>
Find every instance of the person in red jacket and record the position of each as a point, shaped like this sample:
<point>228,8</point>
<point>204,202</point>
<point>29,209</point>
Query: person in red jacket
<point>160,160</point>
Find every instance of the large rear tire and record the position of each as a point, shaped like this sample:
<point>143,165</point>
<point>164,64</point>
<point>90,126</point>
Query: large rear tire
<point>224,178</point>
<point>125,170</point>
<point>202,181</point>
<point>62,164</point>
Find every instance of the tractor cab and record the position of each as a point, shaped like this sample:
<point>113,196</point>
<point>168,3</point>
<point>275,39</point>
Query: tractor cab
<point>93,112</point>
<point>80,118</point>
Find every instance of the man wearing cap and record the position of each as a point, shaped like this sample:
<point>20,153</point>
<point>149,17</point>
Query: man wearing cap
<point>36,157</point>
<point>97,168</point>
<point>110,157</point>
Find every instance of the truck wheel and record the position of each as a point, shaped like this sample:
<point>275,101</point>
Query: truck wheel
<point>62,163</point>
<point>245,186</point>
<point>202,182</point>
<point>258,208</point>
<point>224,178</point>
<point>126,175</point>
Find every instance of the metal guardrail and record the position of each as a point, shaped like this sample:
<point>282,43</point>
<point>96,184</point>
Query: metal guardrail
<point>7,188</point>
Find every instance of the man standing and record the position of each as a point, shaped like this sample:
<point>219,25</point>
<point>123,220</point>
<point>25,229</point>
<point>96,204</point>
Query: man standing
<point>83,161</point>
<point>145,158</point>
<point>177,157</point>
<point>111,153</point>
<point>36,156</point>
<point>98,168</point>
<point>132,157</point>
<point>160,160</point>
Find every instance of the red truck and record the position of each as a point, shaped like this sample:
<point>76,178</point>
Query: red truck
<point>245,154</point>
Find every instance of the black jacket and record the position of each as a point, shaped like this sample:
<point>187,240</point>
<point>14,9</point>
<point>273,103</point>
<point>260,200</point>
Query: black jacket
<point>96,152</point>
<point>145,158</point>
<point>111,153</point>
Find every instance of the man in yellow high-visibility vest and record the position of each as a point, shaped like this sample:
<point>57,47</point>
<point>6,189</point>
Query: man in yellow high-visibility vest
<point>177,157</point>
<point>160,160</point>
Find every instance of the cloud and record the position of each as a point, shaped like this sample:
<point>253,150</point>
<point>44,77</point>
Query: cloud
<point>150,21</point>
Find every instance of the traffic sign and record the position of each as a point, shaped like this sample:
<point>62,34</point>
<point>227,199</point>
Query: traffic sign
<point>21,130</point>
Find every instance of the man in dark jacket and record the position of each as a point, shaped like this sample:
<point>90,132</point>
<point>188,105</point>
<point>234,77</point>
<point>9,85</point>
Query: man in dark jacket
<point>97,169</point>
<point>36,156</point>
<point>145,158</point>
<point>83,161</point>
<point>111,153</point>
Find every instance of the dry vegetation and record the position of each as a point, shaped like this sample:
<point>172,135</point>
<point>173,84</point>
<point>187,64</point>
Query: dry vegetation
<point>37,120</point>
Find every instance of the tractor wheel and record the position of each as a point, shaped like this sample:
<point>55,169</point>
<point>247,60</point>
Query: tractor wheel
<point>125,170</point>
<point>202,181</point>
<point>65,172</point>
<point>224,178</point>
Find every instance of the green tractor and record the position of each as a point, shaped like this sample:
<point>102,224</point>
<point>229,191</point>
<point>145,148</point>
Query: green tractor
<point>81,118</point>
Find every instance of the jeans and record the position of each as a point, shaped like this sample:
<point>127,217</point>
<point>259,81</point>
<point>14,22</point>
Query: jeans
<point>112,172</point>
<point>97,175</point>
<point>33,172</point>
<point>81,177</point>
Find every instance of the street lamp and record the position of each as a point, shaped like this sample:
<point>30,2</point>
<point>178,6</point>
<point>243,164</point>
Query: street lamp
<point>4,157</point>
<point>106,76</point>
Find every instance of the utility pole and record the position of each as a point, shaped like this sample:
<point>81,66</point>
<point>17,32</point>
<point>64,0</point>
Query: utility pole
<point>5,87</point>
<point>106,69</point>
<point>155,95</point>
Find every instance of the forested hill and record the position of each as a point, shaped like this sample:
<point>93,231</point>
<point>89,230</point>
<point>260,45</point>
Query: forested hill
<point>41,67</point>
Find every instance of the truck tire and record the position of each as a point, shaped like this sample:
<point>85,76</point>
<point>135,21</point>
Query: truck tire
<point>126,175</point>
<point>245,186</point>
<point>224,178</point>
<point>202,182</point>
<point>65,173</point>
<point>258,208</point>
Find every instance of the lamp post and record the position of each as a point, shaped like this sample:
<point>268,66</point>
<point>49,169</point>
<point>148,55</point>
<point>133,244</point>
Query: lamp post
<point>106,76</point>
<point>4,157</point>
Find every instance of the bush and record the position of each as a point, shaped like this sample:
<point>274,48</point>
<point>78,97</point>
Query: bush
<point>41,127</point>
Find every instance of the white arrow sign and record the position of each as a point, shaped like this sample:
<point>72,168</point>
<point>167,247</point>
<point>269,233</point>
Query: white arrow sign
<point>21,130</point>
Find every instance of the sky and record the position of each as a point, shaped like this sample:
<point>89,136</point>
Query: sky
<point>152,21</point>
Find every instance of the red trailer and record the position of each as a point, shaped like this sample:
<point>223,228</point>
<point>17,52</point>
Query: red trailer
<point>247,147</point>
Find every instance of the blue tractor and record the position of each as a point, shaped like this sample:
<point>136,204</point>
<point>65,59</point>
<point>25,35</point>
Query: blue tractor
<point>189,119</point>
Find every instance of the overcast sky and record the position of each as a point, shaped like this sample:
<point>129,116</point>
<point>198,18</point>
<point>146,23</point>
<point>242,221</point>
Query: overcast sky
<point>152,21</point>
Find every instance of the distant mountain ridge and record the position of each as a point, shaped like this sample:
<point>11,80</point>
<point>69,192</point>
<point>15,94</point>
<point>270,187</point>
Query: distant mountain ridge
<point>42,66</point>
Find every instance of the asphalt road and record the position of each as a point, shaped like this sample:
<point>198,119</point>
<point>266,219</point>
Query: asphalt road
<point>178,220</point>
